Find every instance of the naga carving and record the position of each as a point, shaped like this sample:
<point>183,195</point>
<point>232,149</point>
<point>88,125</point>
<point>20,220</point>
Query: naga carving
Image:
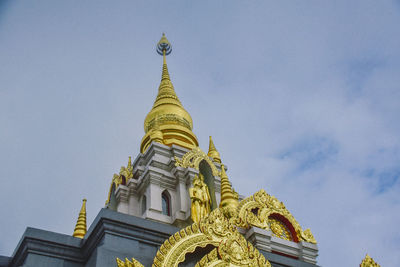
<point>125,174</point>
<point>193,158</point>
<point>216,230</point>
<point>259,210</point>
<point>231,248</point>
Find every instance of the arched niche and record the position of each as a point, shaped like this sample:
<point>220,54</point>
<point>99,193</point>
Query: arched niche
<point>209,180</point>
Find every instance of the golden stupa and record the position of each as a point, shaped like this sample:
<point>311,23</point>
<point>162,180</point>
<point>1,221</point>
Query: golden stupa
<point>168,122</point>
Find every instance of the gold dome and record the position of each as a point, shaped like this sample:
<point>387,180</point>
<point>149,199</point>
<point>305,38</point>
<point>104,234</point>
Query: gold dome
<point>168,122</point>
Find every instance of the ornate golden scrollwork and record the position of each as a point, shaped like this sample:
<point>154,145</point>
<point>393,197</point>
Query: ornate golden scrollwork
<point>128,263</point>
<point>211,260</point>
<point>220,231</point>
<point>219,228</point>
<point>257,209</point>
<point>369,262</point>
<point>193,158</point>
<point>306,235</point>
<point>234,251</point>
<point>237,251</point>
<point>167,118</point>
<point>279,229</point>
<point>174,249</point>
<point>215,230</point>
<point>125,172</point>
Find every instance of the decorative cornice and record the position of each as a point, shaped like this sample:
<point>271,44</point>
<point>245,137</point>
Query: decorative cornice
<point>43,242</point>
<point>122,193</point>
<point>193,158</point>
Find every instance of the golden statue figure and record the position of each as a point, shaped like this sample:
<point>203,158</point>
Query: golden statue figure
<point>201,200</point>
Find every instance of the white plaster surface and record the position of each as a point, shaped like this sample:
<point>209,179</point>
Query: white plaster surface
<point>155,171</point>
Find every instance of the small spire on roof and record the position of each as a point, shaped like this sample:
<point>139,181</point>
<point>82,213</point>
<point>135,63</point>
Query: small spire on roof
<point>213,152</point>
<point>80,228</point>
<point>368,262</point>
<point>229,200</point>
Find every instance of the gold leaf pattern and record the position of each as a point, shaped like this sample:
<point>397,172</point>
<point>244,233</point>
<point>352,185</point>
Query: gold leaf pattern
<point>128,263</point>
<point>215,230</point>
<point>256,211</point>
<point>193,158</point>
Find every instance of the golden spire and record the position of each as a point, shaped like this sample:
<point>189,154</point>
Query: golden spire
<point>213,152</point>
<point>229,200</point>
<point>80,228</point>
<point>167,122</point>
<point>368,262</point>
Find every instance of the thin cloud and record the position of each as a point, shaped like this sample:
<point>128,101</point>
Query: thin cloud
<point>309,94</point>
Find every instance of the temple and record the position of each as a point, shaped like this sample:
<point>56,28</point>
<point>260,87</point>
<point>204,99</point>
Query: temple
<point>174,205</point>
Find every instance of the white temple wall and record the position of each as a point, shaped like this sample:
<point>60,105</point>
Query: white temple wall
<point>155,171</point>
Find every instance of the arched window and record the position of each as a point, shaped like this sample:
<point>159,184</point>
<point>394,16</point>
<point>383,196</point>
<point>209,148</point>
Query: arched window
<point>144,204</point>
<point>166,203</point>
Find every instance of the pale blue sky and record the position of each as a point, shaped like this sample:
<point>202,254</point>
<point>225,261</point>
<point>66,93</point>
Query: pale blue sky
<point>302,98</point>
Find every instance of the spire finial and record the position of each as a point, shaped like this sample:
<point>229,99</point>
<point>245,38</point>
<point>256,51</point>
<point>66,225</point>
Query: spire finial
<point>129,162</point>
<point>229,201</point>
<point>164,46</point>
<point>213,152</point>
<point>80,228</point>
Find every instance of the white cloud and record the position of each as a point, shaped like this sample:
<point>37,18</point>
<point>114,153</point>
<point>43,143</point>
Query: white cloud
<point>308,94</point>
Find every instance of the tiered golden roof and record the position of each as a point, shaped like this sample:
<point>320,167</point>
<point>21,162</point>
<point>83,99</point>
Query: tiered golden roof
<point>229,201</point>
<point>168,122</point>
<point>80,228</point>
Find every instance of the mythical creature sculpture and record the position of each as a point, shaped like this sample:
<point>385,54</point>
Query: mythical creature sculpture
<point>201,200</point>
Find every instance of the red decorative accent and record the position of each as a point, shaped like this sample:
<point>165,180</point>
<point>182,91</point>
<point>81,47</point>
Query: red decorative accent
<point>123,180</point>
<point>285,255</point>
<point>286,222</point>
